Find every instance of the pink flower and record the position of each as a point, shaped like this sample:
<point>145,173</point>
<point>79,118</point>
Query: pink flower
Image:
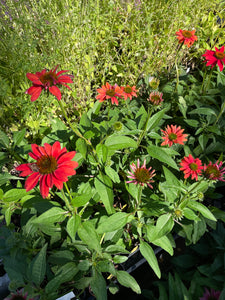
<point>214,171</point>
<point>141,175</point>
<point>155,98</point>
<point>211,295</point>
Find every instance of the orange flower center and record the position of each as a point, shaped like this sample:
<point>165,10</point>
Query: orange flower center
<point>187,33</point>
<point>49,78</point>
<point>46,164</point>
<point>193,166</point>
<point>172,136</point>
<point>212,171</point>
<point>142,175</point>
<point>128,89</point>
<point>178,213</point>
<point>110,93</point>
<point>219,55</point>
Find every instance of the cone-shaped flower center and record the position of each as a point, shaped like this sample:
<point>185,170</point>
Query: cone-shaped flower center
<point>155,98</point>
<point>47,164</point>
<point>187,33</point>
<point>110,92</point>
<point>193,166</point>
<point>178,213</point>
<point>172,136</point>
<point>49,78</point>
<point>117,126</point>
<point>219,55</point>
<point>212,171</point>
<point>142,175</point>
<point>128,89</point>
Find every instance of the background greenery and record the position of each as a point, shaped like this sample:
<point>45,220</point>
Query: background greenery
<point>97,40</point>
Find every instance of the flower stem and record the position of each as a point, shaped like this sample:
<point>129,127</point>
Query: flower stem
<point>185,196</point>
<point>145,127</point>
<point>75,130</point>
<point>220,114</point>
<point>66,200</point>
<point>206,84</point>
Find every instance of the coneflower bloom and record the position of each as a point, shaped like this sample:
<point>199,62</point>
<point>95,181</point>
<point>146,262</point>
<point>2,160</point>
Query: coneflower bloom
<point>215,58</point>
<point>155,98</point>
<point>47,80</point>
<point>211,295</point>
<point>18,296</point>
<point>109,91</point>
<point>141,175</point>
<point>214,171</point>
<point>52,167</point>
<point>191,167</point>
<point>173,135</point>
<point>187,37</point>
<point>128,91</point>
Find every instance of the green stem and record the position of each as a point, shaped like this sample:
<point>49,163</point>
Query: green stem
<point>185,196</point>
<point>66,201</point>
<point>220,114</point>
<point>75,130</point>
<point>145,127</point>
<point>205,85</point>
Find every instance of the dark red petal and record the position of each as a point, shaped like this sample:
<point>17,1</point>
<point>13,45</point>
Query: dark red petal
<point>66,171</point>
<point>32,181</point>
<point>23,167</point>
<point>66,156</point>
<point>48,149</point>
<point>65,79</point>
<point>34,91</point>
<point>55,91</point>
<point>60,175</point>
<point>33,77</point>
<point>71,164</point>
<point>35,149</point>
<point>60,72</point>
<point>56,182</point>
<point>66,85</point>
<point>44,189</point>
<point>49,180</point>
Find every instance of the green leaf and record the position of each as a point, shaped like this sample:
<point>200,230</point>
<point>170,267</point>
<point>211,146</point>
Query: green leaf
<point>112,174</point>
<point>4,140</point>
<point>116,249</point>
<point>102,152</point>
<point>81,146</point>
<point>8,214</point>
<point>89,236</point>
<point>118,142</point>
<point>203,111</point>
<point>141,117</point>
<point>18,136</point>
<point>38,266</point>
<point>162,155</point>
<point>165,244</point>
<point>202,209</point>
<point>98,286</point>
<point>198,187</point>
<point>64,274</point>
<point>148,253</point>
<point>156,118</point>
<point>14,195</point>
<point>81,200</point>
<point>127,280</point>
<point>163,226</point>
<point>54,214</point>
<point>73,225</point>
<point>104,187</point>
<point>190,215</point>
<point>112,223</point>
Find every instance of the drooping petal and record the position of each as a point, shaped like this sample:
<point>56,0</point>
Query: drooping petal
<point>66,156</point>
<point>44,189</point>
<point>55,91</point>
<point>32,181</point>
<point>34,78</point>
<point>34,91</point>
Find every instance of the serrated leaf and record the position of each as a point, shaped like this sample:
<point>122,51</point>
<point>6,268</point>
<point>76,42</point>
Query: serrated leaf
<point>88,235</point>
<point>127,280</point>
<point>162,155</point>
<point>202,209</point>
<point>112,223</point>
<point>54,214</point>
<point>104,187</point>
<point>38,266</point>
<point>148,253</point>
<point>73,225</point>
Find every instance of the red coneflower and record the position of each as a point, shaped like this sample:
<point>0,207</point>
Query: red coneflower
<point>47,80</point>
<point>215,58</point>
<point>211,295</point>
<point>173,135</point>
<point>108,91</point>
<point>214,171</point>
<point>129,91</point>
<point>191,167</point>
<point>141,175</point>
<point>52,167</point>
<point>187,37</point>
<point>155,98</point>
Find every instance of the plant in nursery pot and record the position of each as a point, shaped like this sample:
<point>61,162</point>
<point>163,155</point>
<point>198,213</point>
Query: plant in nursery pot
<point>93,191</point>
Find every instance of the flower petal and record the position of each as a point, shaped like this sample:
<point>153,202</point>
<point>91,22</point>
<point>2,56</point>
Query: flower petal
<point>55,91</point>
<point>32,181</point>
